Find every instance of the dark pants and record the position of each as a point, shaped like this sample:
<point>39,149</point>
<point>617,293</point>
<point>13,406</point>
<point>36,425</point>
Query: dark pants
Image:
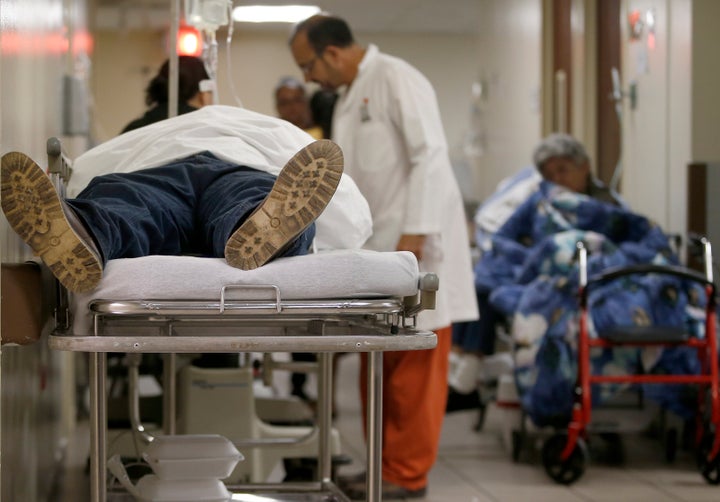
<point>188,206</point>
<point>479,336</point>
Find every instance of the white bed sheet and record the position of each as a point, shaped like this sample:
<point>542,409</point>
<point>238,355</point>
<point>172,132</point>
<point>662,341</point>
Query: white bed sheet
<point>324,275</point>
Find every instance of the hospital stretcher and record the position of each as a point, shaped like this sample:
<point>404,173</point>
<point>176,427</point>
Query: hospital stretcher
<point>335,301</point>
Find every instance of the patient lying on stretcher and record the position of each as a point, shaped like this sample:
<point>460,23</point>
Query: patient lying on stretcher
<point>208,183</point>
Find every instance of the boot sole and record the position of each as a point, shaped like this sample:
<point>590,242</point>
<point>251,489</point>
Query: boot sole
<point>301,192</point>
<point>34,211</point>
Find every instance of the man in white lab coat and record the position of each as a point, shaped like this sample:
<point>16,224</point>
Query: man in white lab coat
<point>388,124</point>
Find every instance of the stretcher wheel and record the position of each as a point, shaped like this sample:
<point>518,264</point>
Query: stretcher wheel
<point>710,469</point>
<point>564,471</point>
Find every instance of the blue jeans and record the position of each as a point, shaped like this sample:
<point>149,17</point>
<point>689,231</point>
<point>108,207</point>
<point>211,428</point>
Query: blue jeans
<point>188,206</point>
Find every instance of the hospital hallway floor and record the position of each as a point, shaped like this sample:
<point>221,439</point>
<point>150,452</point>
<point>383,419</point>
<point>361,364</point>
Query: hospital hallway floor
<point>477,466</point>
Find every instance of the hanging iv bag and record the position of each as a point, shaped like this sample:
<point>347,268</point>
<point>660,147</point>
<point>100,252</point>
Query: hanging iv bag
<point>207,14</point>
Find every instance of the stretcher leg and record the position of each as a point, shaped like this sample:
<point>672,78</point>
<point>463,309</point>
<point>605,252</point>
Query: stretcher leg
<point>325,417</point>
<point>374,426</point>
<point>98,421</point>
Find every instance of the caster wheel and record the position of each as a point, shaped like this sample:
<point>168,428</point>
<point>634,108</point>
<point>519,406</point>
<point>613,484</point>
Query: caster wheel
<point>710,469</point>
<point>564,471</point>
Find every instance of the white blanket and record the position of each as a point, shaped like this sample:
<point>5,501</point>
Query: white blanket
<point>324,275</point>
<point>236,135</point>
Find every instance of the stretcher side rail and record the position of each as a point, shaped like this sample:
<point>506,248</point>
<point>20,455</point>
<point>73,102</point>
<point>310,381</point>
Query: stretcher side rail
<point>340,307</point>
<point>59,169</point>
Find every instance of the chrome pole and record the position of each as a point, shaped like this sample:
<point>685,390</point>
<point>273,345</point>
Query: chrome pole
<point>325,417</point>
<point>173,59</point>
<point>169,393</point>
<point>98,423</point>
<point>374,426</point>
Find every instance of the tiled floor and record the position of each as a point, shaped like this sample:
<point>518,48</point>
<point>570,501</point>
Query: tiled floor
<point>476,467</point>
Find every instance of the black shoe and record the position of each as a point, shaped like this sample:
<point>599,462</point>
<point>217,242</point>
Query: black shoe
<point>351,479</point>
<point>38,215</point>
<point>301,192</point>
<point>457,401</point>
<point>390,491</point>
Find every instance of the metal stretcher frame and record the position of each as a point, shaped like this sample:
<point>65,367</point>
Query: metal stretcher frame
<point>325,327</point>
<point>371,325</point>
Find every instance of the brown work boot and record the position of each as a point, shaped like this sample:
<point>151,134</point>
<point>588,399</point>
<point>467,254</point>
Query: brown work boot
<point>36,213</point>
<point>301,192</point>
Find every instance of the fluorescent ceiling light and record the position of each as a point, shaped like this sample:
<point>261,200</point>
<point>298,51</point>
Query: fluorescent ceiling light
<point>273,13</point>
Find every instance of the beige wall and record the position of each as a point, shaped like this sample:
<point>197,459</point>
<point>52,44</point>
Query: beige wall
<point>678,112</point>
<point>122,65</point>
<point>655,139</point>
<point>508,115</point>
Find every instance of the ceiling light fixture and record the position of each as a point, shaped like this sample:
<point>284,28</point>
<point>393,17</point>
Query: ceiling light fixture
<point>273,13</point>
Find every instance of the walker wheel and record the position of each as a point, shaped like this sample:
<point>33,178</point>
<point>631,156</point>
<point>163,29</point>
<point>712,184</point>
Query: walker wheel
<point>564,471</point>
<point>710,469</point>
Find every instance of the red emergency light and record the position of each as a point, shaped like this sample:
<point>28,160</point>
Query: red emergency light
<point>189,41</point>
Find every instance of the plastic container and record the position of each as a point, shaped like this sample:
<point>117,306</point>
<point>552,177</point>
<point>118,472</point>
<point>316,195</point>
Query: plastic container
<point>197,456</point>
<point>151,488</point>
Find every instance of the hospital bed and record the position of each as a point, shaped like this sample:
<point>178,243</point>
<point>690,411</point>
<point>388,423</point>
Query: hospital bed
<point>335,301</point>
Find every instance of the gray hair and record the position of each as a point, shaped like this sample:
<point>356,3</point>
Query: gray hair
<point>559,145</point>
<point>291,82</point>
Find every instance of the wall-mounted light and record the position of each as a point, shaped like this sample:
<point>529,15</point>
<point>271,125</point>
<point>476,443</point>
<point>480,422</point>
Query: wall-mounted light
<point>273,13</point>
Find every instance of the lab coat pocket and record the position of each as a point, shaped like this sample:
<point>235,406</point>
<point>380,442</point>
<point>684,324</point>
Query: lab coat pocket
<point>374,144</point>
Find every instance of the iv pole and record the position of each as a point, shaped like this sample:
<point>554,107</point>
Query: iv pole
<point>173,59</point>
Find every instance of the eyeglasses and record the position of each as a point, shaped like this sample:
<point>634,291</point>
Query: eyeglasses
<point>307,68</point>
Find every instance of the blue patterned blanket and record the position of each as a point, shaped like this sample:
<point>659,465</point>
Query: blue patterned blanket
<point>531,272</point>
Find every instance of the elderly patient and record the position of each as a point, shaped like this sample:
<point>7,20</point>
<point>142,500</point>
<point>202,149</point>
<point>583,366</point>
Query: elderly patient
<point>206,183</point>
<point>560,159</point>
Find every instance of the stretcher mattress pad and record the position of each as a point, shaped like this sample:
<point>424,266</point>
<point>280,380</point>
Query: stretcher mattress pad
<point>323,275</point>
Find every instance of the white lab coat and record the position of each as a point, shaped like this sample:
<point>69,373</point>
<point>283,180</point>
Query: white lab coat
<point>236,135</point>
<point>388,125</point>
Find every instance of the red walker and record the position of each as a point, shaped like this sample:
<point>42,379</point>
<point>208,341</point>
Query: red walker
<point>565,454</point>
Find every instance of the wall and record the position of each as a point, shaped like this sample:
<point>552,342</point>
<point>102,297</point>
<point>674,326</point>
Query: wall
<point>705,146</point>
<point>123,63</point>
<point>656,133</point>
<point>508,112</point>
<point>42,42</point>
<point>676,118</point>
<point>706,79</point>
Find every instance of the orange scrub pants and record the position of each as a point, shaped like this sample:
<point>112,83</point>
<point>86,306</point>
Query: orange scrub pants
<point>414,399</point>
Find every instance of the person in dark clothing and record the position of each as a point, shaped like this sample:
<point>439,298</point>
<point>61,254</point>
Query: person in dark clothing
<point>322,105</point>
<point>195,90</point>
